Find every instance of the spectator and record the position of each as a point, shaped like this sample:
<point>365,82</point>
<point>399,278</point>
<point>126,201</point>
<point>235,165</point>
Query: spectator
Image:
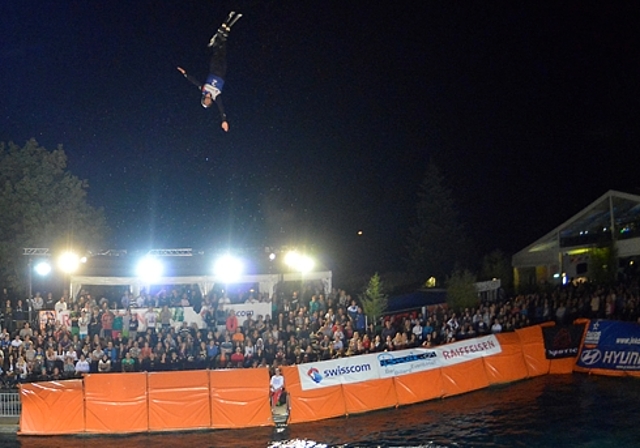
<point>61,305</point>
<point>276,388</point>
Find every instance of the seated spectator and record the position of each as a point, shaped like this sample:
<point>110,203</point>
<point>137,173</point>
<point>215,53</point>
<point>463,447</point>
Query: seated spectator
<point>68,368</point>
<point>82,366</point>
<point>276,388</point>
<point>128,363</point>
<point>104,365</point>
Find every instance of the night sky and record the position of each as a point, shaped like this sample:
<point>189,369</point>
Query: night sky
<point>531,111</point>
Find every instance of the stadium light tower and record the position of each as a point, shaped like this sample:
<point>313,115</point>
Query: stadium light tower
<point>150,269</point>
<point>228,269</point>
<point>301,263</point>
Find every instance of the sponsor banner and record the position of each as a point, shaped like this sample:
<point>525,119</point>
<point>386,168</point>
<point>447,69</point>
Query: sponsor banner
<point>611,345</point>
<point>243,310</point>
<point>469,349</point>
<point>390,364</point>
<point>337,371</point>
<point>562,341</point>
<point>404,362</point>
<point>44,316</point>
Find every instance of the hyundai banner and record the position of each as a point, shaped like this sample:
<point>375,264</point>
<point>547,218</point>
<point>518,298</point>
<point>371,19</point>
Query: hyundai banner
<point>611,345</point>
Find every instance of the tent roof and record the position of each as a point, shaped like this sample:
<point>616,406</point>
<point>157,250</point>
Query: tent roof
<point>583,228</point>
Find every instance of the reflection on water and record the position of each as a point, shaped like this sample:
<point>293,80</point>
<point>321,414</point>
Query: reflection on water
<point>560,411</point>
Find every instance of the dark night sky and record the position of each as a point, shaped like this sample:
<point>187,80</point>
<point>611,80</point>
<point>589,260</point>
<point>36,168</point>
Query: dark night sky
<point>531,111</point>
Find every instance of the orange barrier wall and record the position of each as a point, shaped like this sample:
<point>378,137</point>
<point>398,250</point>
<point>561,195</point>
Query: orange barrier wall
<point>240,398</point>
<point>41,401</point>
<point>369,396</point>
<point>417,387</point>
<point>116,402</point>
<point>179,400</point>
<point>312,405</point>
<point>532,344</point>
<point>509,365</point>
<point>464,377</point>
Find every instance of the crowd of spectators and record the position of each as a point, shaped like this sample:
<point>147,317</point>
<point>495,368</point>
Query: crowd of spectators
<point>141,334</point>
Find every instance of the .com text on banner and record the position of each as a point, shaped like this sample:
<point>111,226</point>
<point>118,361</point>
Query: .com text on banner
<point>337,371</point>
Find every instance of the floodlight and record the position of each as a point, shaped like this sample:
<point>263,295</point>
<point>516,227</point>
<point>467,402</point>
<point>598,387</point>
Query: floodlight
<point>299,262</point>
<point>43,268</point>
<point>68,262</point>
<point>149,269</point>
<point>228,269</point>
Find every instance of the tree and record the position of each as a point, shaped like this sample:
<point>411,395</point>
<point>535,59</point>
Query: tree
<point>497,265</point>
<point>603,265</point>
<point>42,205</point>
<point>461,290</point>
<point>437,242</point>
<point>374,300</point>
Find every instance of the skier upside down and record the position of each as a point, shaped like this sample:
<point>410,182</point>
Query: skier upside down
<point>212,89</point>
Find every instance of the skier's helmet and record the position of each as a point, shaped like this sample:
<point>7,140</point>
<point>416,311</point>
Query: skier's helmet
<point>206,101</point>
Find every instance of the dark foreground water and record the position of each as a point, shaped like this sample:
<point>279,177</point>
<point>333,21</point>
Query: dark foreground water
<point>551,411</point>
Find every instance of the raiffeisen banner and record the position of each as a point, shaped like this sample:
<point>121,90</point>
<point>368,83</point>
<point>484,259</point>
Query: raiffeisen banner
<point>389,364</point>
<point>469,349</point>
<point>611,345</point>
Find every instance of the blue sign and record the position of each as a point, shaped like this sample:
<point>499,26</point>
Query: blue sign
<point>611,345</point>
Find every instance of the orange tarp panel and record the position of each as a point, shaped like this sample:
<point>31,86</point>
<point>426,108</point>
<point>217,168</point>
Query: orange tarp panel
<point>417,387</point>
<point>240,398</point>
<point>179,400</point>
<point>369,395</point>
<point>508,365</point>
<point>312,405</point>
<point>52,407</point>
<point>464,377</point>
<point>533,350</point>
<point>116,402</point>
<point>561,365</point>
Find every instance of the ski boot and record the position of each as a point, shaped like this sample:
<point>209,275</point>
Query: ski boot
<point>223,32</point>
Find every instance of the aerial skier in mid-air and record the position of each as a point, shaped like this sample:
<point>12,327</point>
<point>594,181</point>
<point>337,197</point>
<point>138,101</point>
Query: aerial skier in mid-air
<point>212,88</point>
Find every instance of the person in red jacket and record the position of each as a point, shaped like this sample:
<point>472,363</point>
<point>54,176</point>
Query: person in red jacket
<point>232,322</point>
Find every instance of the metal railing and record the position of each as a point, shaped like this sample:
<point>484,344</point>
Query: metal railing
<point>10,404</point>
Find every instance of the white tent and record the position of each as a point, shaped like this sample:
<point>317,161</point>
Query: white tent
<point>266,282</point>
<point>613,217</point>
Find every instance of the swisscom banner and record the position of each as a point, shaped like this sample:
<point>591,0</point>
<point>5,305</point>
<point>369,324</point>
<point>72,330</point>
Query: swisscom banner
<point>562,341</point>
<point>611,345</point>
<point>389,364</point>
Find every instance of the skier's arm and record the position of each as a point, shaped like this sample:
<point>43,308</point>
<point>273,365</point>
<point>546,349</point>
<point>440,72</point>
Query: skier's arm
<point>223,116</point>
<point>191,79</point>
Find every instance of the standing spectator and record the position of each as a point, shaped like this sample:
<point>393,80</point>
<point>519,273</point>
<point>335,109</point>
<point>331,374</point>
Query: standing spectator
<point>125,300</point>
<point>37,303</point>
<point>61,305</point>
<point>83,324</point>
<point>49,302</point>
<point>165,318</point>
<point>151,319</point>
<point>7,314</point>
